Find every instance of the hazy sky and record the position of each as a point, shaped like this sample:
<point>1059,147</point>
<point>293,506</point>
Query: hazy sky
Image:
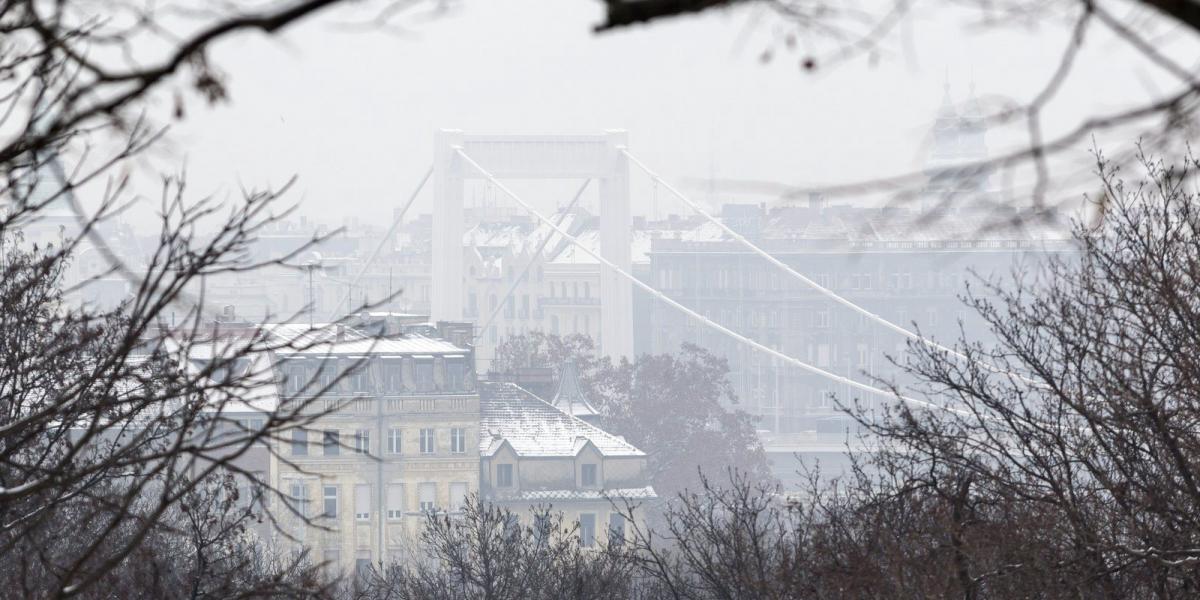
<point>353,113</point>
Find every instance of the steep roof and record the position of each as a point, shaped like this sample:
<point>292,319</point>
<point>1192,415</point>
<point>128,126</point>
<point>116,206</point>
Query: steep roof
<point>532,427</point>
<point>321,339</point>
<point>569,398</point>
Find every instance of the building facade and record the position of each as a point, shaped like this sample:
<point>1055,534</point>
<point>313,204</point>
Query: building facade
<point>911,275</point>
<point>396,438</point>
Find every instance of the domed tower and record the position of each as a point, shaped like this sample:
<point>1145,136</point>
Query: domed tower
<point>972,130</point>
<point>959,138</point>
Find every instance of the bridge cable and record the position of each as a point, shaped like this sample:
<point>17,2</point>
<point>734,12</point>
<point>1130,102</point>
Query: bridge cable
<point>693,314</point>
<point>812,284</point>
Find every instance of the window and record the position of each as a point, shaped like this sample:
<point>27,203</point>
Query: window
<point>358,379</point>
<point>587,530</point>
<point>616,529</point>
<point>587,475</point>
<point>504,476</point>
<point>587,290</point>
<point>295,379</point>
<point>299,498</point>
<point>456,374</point>
<point>362,502</point>
<point>395,501</point>
<point>823,319</point>
<point>362,441</point>
<point>458,440</point>
<point>394,441</point>
<point>363,567</point>
<point>393,376</point>
<point>325,375</point>
<point>428,498</point>
<point>508,309</point>
<point>331,501</point>
<point>299,442</point>
<point>423,371</point>
<point>458,496</point>
<point>330,443</point>
<point>428,441</point>
<point>525,306</point>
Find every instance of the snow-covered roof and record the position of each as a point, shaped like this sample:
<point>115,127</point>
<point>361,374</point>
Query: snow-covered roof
<point>257,391</point>
<point>532,427</point>
<point>575,494</point>
<point>523,237</point>
<point>795,227</point>
<point>573,255</point>
<point>409,344</point>
<point>321,340</point>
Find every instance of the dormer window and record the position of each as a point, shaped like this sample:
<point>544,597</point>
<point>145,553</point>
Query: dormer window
<point>587,475</point>
<point>423,372</point>
<point>504,476</point>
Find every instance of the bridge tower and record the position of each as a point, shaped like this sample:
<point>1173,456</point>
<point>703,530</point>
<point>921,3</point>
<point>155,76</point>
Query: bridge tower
<point>536,157</point>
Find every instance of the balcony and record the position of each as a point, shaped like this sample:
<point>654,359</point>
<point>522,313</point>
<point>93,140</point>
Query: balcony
<point>367,405</point>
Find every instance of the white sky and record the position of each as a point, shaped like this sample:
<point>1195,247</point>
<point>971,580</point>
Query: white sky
<point>353,114</point>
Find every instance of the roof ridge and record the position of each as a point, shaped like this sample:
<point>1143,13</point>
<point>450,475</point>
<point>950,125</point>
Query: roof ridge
<point>609,437</point>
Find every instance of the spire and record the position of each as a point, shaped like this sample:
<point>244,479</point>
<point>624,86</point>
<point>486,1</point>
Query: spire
<point>569,397</point>
<point>945,126</point>
<point>946,112</point>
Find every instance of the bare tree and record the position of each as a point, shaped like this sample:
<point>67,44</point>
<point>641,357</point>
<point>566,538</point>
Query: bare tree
<point>115,431</point>
<point>820,35</point>
<point>1065,458</point>
<point>486,552</point>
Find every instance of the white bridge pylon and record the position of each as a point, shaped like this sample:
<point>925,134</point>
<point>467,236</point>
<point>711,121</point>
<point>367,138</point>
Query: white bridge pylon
<point>601,157</point>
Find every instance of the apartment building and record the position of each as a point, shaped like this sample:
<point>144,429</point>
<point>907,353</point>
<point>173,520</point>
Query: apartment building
<point>395,438</point>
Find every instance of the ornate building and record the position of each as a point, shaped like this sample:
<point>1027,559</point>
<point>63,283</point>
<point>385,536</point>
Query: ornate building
<point>396,438</point>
